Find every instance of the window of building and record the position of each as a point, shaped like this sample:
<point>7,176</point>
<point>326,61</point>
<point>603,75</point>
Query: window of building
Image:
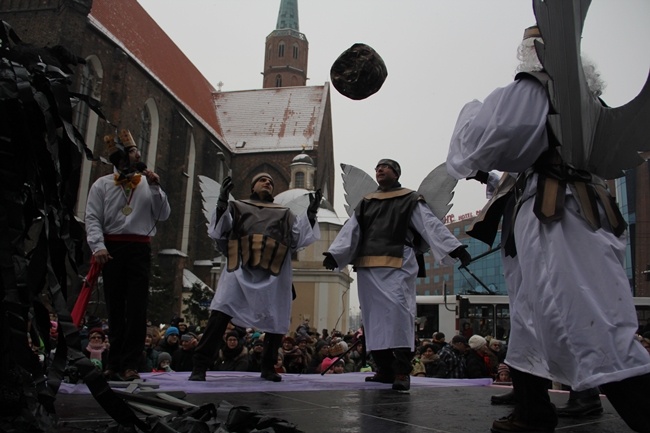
<point>87,86</point>
<point>300,180</point>
<point>295,51</point>
<point>281,49</point>
<point>144,138</point>
<point>278,80</point>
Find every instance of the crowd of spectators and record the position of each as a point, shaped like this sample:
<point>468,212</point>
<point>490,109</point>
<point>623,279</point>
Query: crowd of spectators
<point>306,351</point>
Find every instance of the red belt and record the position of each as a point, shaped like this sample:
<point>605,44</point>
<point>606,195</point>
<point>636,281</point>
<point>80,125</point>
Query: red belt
<point>127,238</point>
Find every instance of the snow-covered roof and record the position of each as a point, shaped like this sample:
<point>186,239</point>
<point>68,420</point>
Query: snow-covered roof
<point>282,118</point>
<point>189,279</point>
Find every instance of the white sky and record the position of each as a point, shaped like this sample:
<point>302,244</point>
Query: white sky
<point>440,54</point>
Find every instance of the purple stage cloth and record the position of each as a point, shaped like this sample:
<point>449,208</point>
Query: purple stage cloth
<point>234,381</point>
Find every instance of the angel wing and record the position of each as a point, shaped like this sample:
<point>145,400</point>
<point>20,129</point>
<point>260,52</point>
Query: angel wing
<point>299,204</point>
<point>602,140</point>
<point>438,190</point>
<point>356,183</point>
<point>210,190</point>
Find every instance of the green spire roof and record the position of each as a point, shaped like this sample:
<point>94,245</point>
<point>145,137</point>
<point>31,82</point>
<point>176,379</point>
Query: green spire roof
<point>288,15</point>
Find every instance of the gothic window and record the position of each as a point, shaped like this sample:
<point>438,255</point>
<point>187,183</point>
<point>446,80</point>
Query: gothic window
<point>278,80</point>
<point>300,179</point>
<point>268,54</point>
<point>145,132</point>
<point>281,49</point>
<point>87,85</point>
<point>295,51</point>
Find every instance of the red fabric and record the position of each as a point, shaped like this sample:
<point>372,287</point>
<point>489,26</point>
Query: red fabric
<point>81,304</point>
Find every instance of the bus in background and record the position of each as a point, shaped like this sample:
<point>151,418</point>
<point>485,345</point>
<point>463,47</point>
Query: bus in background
<point>482,314</point>
<point>464,314</point>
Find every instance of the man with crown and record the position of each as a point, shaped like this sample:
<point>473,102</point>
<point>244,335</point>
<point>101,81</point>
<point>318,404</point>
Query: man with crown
<point>121,217</point>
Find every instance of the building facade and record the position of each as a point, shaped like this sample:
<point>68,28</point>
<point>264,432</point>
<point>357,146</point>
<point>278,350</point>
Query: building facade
<point>144,83</point>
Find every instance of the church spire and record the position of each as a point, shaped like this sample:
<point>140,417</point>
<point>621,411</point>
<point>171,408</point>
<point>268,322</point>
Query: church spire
<point>286,53</point>
<point>288,15</point>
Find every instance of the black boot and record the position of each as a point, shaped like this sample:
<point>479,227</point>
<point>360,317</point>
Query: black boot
<point>209,345</point>
<point>631,399</point>
<point>272,343</point>
<point>580,407</point>
<point>402,368</point>
<point>581,403</point>
<point>384,361</point>
<point>533,411</point>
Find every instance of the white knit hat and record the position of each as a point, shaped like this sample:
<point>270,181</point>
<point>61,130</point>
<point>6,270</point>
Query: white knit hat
<point>476,342</point>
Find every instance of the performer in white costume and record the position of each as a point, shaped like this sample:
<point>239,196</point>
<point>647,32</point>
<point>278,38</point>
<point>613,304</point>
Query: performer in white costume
<point>380,240</point>
<point>572,314</point>
<point>258,238</point>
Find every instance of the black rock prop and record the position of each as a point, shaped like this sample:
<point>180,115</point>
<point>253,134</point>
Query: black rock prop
<point>359,72</point>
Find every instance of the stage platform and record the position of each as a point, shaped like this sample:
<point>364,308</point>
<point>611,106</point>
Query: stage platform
<point>335,403</point>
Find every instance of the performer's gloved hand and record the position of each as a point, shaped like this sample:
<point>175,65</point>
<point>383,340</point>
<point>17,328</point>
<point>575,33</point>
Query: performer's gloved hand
<point>461,254</point>
<point>481,176</point>
<point>329,262</point>
<point>314,204</point>
<point>226,187</point>
<point>222,202</point>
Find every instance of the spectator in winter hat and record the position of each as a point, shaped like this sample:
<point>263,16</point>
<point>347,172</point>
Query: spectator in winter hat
<point>321,351</point>
<point>234,355</point>
<point>294,358</point>
<point>503,374</point>
<point>255,356</point>
<point>164,363</point>
<point>170,342</point>
<point>325,364</point>
<point>477,360</point>
<point>182,358</point>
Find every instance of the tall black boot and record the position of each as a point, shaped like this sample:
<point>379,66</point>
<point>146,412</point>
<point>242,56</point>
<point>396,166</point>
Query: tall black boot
<point>209,345</point>
<point>532,403</point>
<point>272,343</point>
<point>402,367</point>
<point>581,404</point>
<point>631,399</point>
<point>384,361</point>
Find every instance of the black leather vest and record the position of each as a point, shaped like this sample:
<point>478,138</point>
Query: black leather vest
<point>384,220</point>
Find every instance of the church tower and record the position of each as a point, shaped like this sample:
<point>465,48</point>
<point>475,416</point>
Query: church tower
<point>285,57</point>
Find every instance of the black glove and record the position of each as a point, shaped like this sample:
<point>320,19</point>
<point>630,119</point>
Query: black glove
<point>461,254</point>
<point>226,187</point>
<point>329,262</point>
<point>314,204</point>
<point>481,176</point>
<point>224,194</point>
